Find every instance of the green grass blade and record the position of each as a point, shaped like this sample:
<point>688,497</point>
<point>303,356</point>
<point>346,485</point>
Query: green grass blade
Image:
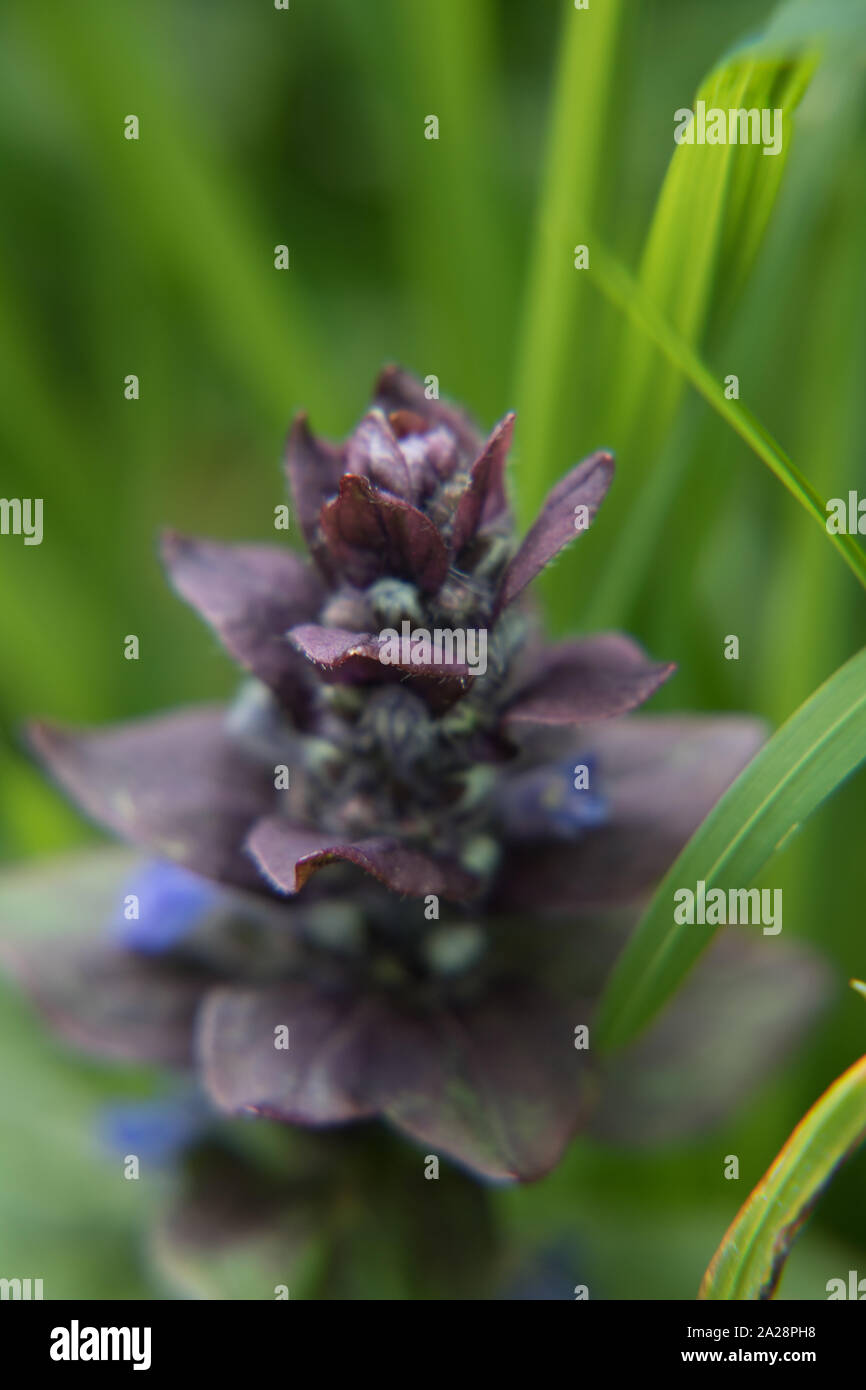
<point>567,208</point>
<point>811,755</point>
<point>729,191</point>
<point>749,1262</point>
<point>619,286</point>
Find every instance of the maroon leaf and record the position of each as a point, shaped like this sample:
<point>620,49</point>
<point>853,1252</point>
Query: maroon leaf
<point>288,855</point>
<point>333,648</point>
<point>317,1079</point>
<point>660,776</point>
<point>175,784</point>
<point>585,486</point>
<point>313,468</point>
<point>484,497</point>
<point>370,533</point>
<point>110,1002</point>
<point>251,595</point>
<point>354,658</point>
<point>497,1086</point>
<point>582,681</point>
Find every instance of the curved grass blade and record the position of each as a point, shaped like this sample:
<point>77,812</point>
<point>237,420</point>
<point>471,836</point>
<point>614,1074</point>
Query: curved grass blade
<point>618,285</point>
<point>729,190</point>
<point>694,281</point>
<point>808,758</point>
<point>749,1262</point>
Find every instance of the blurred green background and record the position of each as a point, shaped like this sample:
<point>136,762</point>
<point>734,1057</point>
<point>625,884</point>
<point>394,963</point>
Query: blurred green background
<point>261,127</point>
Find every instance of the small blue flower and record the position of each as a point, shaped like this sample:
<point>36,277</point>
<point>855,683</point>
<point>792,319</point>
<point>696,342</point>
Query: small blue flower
<point>548,803</point>
<point>168,902</point>
<point>156,1131</point>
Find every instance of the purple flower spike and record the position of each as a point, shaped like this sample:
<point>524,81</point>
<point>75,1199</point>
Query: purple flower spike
<point>355,857</point>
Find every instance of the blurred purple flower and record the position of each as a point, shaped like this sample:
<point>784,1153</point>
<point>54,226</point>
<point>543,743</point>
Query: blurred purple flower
<point>413,781</point>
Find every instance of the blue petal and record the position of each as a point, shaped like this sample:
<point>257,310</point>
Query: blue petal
<point>171,901</point>
<point>545,802</point>
<point>156,1131</point>
<point>580,808</point>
